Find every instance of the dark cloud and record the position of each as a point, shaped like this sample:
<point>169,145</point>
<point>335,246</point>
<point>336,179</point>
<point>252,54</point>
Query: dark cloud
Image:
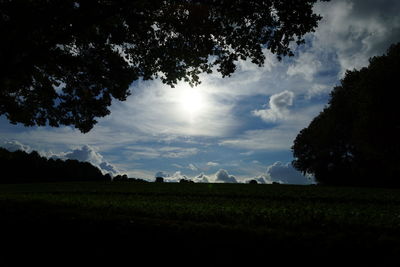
<point>285,173</point>
<point>224,177</point>
<point>356,30</point>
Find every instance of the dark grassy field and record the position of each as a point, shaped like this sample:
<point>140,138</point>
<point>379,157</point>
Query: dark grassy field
<point>224,221</point>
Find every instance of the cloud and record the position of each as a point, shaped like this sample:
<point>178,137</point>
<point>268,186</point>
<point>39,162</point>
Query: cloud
<point>307,64</point>
<point>177,166</point>
<point>108,168</point>
<point>174,178</point>
<point>212,164</point>
<point>201,178</point>
<point>192,167</point>
<point>224,177</point>
<point>286,173</point>
<point>172,152</point>
<point>185,111</point>
<point>279,138</point>
<point>357,30</point>
<point>85,153</point>
<point>278,107</point>
<point>88,154</point>
<point>15,145</point>
<point>276,138</point>
<point>262,179</point>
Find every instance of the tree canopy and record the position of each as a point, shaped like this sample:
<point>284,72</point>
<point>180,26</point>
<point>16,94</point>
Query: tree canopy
<point>355,139</point>
<point>22,167</point>
<point>64,61</point>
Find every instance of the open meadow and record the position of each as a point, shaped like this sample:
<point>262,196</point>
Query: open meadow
<point>176,219</point>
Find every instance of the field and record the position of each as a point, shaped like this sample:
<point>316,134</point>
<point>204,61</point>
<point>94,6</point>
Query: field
<point>200,219</point>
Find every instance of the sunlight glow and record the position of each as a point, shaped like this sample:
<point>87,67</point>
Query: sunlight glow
<point>192,102</point>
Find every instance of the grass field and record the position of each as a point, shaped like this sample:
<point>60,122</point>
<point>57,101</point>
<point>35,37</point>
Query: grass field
<point>206,219</point>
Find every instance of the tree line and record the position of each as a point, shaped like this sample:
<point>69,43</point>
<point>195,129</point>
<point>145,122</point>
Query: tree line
<point>23,167</point>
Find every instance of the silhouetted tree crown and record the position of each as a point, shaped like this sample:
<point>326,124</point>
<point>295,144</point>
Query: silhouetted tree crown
<point>355,139</point>
<point>63,61</point>
<point>22,167</point>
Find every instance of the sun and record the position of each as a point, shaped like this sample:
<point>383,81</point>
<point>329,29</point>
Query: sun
<point>192,102</point>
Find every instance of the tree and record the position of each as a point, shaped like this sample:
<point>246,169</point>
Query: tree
<point>355,139</point>
<point>64,61</point>
<point>159,180</point>
<point>21,167</point>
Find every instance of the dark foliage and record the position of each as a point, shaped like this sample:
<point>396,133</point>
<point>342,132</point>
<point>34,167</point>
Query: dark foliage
<point>21,167</point>
<point>62,62</point>
<point>120,178</point>
<point>355,140</point>
<point>136,180</point>
<point>159,180</point>
<point>124,178</point>
<point>186,181</point>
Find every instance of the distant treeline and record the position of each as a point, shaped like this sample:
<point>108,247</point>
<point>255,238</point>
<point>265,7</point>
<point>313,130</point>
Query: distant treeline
<point>22,167</point>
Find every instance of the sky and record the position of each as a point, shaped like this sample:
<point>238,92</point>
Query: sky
<point>226,129</point>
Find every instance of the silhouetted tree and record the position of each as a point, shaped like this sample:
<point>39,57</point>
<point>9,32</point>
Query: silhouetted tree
<point>355,140</point>
<point>185,181</point>
<point>253,182</point>
<point>121,178</point>
<point>21,167</point>
<point>159,180</point>
<point>136,180</point>
<point>64,61</point>
<point>107,177</point>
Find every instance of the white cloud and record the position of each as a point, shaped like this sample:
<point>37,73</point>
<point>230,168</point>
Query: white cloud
<point>62,138</point>
<point>278,107</point>
<point>88,154</point>
<point>108,168</point>
<point>317,89</point>
<point>192,167</point>
<point>202,178</point>
<point>85,153</point>
<point>156,109</point>
<point>148,152</point>
<point>178,152</point>
<point>174,178</point>
<point>212,164</point>
<point>177,166</point>
<point>286,173</point>
<point>307,64</point>
<point>224,177</point>
<point>15,145</point>
<point>277,138</point>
